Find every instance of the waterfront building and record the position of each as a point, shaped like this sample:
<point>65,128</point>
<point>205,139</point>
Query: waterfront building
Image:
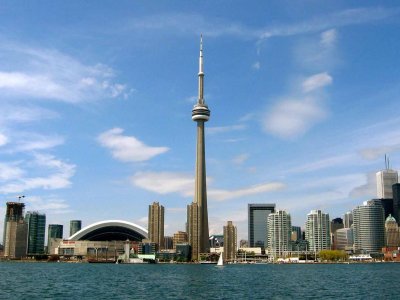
<point>15,231</point>
<point>279,233</point>
<point>147,247</point>
<point>396,201</point>
<point>230,242</point>
<point>391,232</point>
<point>369,228</point>
<point>344,239</point>
<point>387,205</point>
<point>296,233</point>
<point>385,179</point>
<point>168,242</point>
<point>348,219</point>
<point>257,223</point>
<point>36,232</point>
<point>54,231</point>
<point>180,237</point>
<point>183,252</point>
<point>74,226</point>
<point>156,224</point>
<point>336,224</point>
<point>197,213</point>
<point>318,232</point>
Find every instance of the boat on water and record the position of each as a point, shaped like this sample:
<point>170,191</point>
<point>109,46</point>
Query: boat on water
<point>220,261</point>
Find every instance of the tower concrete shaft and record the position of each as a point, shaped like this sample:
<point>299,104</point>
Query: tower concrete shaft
<point>198,215</point>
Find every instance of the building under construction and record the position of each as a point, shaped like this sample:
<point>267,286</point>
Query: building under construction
<point>15,231</point>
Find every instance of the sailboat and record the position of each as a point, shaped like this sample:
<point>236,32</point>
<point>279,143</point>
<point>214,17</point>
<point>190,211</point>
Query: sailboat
<point>220,261</point>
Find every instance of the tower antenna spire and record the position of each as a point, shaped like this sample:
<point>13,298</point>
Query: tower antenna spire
<point>201,73</point>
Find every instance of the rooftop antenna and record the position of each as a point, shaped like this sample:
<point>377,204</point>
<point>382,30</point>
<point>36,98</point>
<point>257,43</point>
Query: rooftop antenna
<point>19,197</point>
<point>386,165</point>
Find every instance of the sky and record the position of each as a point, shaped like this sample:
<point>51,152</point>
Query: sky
<point>96,99</point>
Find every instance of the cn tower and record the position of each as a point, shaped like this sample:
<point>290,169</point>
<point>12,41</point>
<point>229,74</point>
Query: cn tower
<point>197,211</point>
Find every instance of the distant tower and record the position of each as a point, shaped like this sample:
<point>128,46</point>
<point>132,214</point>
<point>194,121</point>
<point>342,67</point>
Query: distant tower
<point>15,231</point>
<point>257,223</point>
<point>348,219</point>
<point>396,201</point>
<point>197,211</point>
<point>369,227</point>
<point>391,232</point>
<point>156,224</point>
<point>36,232</point>
<point>74,226</point>
<point>230,241</point>
<point>385,180</point>
<point>318,232</point>
<point>55,231</point>
<point>279,233</point>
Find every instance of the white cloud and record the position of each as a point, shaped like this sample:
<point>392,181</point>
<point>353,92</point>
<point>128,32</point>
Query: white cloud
<point>328,38</point>
<point>9,171</point>
<point>294,117</point>
<point>128,148</point>
<point>240,159</point>
<point>22,114</point>
<point>165,182</point>
<point>220,195</point>
<point>316,81</point>
<point>378,152</point>
<point>33,141</point>
<point>367,189</point>
<point>3,139</point>
<point>324,163</point>
<point>49,205</point>
<point>52,75</point>
<point>223,129</point>
<point>183,184</point>
<point>59,177</point>
<point>256,65</point>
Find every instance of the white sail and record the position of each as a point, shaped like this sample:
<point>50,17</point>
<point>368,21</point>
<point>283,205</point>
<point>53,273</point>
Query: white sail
<point>220,260</point>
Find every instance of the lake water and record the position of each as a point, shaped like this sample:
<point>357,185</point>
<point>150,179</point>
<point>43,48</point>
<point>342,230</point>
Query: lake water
<point>168,281</point>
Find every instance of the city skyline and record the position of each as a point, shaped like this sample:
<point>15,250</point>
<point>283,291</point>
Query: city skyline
<point>95,125</point>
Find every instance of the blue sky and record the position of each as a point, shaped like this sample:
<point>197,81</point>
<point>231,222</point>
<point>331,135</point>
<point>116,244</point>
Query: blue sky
<point>96,99</point>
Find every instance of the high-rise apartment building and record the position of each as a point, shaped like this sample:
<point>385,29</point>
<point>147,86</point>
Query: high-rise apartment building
<point>369,227</point>
<point>156,224</point>
<point>15,231</point>
<point>391,232</point>
<point>318,232</point>
<point>258,223</point>
<point>74,226</point>
<point>180,237</point>
<point>396,201</point>
<point>279,233</point>
<point>55,231</point>
<point>384,182</point>
<point>230,242</point>
<point>197,211</point>
<point>348,219</point>
<point>36,232</point>
<point>296,233</point>
<point>344,239</point>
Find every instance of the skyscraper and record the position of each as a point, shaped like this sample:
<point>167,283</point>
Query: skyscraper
<point>296,233</point>
<point>344,239</point>
<point>318,232</point>
<point>74,226</point>
<point>369,227</point>
<point>384,182</point>
<point>257,223</point>
<point>348,219</point>
<point>279,233</point>
<point>15,231</point>
<point>55,231</point>
<point>391,232</point>
<point>156,224</point>
<point>36,232</point>
<point>230,241</point>
<point>396,201</point>
<point>197,211</point>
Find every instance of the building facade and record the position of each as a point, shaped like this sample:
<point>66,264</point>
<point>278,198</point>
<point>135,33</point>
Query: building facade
<point>385,179</point>
<point>344,239</point>
<point>348,219</point>
<point>15,231</point>
<point>36,232</point>
<point>391,232</point>
<point>74,226</point>
<point>156,224</point>
<point>369,227</point>
<point>180,237</point>
<point>279,234</point>
<point>318,232</point>
<point>230,242</point>
<point>257,223</point>
<point>197,211</point>
<point>54,231</point>
<point>396,201</point>
<point>296,233</point>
